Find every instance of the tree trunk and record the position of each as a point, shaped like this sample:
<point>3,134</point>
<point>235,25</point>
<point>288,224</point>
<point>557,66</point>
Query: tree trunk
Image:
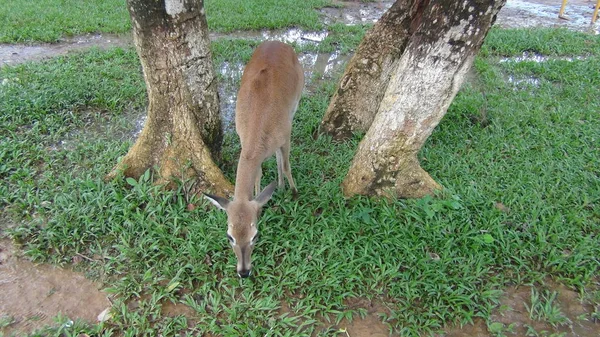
<point>361,88</point>
<point>182,133</point>
<point>425,80</point>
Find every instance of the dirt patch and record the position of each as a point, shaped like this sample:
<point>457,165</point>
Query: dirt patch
<point>11,54</point>
<point>513,315</point>
<point>371,325</point>
<point>32,295</point>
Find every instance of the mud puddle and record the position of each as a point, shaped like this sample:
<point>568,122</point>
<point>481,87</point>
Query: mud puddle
<point>537,58</point>
<point>523,83</point>
<point>11,54</point>
<point>544,13</point>
<point>31,295</point>
<point>354,12</point>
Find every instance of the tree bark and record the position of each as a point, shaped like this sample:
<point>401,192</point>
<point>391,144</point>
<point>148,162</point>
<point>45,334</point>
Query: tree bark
<point>423,84</point>
<point>182,133</point>
<point>361,88</point>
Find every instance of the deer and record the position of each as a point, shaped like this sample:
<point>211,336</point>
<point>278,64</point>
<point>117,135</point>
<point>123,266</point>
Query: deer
<point>270,90</point>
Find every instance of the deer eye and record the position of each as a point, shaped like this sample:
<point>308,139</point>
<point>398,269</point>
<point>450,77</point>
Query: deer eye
<point>231,239</point>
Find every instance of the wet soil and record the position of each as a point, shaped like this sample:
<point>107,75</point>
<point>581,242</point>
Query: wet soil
<point>369,326</point>
<point>544,13</point>
<point>32,295</point>
<point>513,316</point>
<point>11,54</point>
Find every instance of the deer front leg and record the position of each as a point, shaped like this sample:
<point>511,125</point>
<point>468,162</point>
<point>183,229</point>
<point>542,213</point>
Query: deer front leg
<point>279,157</point>
<point>285,152</point>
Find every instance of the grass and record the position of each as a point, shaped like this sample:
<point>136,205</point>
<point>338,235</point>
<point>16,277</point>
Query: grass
<point>548,42</point>
<point>231,15</point>
<point>49,20</point>
<point>431,261</point>
<point>23,21</point>
<point>545,307</point>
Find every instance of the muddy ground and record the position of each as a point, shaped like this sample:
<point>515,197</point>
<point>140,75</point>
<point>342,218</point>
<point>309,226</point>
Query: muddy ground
<point>32,295</point>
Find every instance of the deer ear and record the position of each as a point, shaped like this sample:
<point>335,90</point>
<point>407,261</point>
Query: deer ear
<point>220,202</point>
<point>266,194</point>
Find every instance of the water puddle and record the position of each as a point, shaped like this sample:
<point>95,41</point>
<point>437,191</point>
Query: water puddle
<point>13,54</point>
<point>544,13</point>
<point>538,58</point>
<point>354,12</point>
<point>523,83</point>
<point>19,53</point>
<point>230,76</point>
<point>32,295</point>
<point>292,35</point>
<point>529,82</point>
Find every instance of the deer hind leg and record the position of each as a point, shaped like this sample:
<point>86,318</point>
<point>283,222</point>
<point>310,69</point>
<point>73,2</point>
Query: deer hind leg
<point>257,181</point>
<point>285,153</point>
<point>279,157</point>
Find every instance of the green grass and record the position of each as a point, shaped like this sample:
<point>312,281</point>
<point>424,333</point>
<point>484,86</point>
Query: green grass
<point>545,41</point>
<point>231,15</point>
<point>545,307</point>
<point>50,20</point>
<point>432,261</point>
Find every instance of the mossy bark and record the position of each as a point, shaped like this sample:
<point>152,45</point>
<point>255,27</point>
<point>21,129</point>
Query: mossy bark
<point>423,84</point>
<point>182,134</point>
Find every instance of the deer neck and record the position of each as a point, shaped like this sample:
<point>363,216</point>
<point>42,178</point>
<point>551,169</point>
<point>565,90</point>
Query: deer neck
<point>245,176</point>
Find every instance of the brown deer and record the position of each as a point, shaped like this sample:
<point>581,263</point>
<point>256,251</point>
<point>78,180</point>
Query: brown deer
<point>271,86</point>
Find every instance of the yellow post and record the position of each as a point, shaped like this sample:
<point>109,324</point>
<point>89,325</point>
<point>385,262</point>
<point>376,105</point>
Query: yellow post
<point>561,13</point>
<point>595,15</point>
